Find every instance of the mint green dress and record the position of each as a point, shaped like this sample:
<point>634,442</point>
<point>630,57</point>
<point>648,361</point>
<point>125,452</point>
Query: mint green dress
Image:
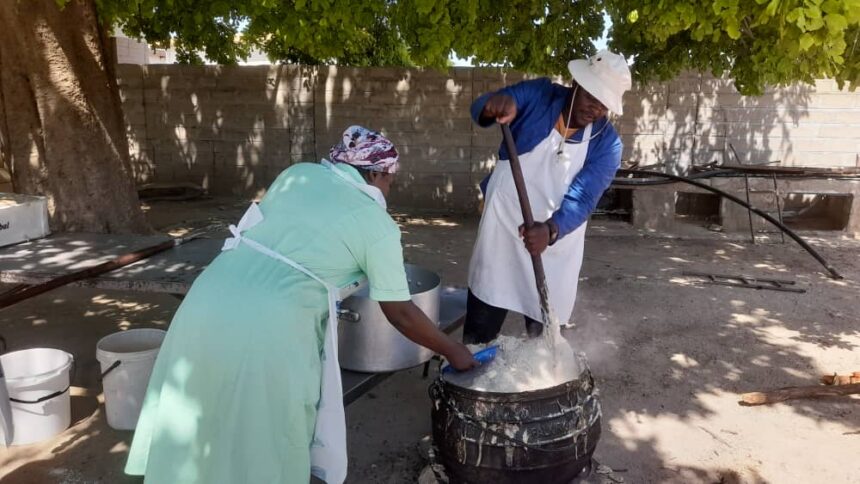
<point>233,394</point>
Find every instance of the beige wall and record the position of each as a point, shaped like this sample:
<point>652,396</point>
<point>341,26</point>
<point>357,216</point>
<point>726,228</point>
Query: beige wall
<point>233,129</point>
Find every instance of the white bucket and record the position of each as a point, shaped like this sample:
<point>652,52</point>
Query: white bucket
<point>38,383</point>
<point>126,360</point>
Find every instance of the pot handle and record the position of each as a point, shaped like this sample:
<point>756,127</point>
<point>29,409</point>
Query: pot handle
<point>50,396</point>
<point>41,399</point>
<point>348,315</point>
<point>110,369</point>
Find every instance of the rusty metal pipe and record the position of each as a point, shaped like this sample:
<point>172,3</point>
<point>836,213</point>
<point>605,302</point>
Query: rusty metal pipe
<point>834,274</point>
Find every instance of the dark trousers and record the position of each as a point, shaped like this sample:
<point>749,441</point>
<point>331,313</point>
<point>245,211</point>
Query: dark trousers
<point>484,322</point>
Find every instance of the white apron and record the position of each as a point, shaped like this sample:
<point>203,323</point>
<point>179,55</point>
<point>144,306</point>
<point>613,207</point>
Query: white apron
<point>328,449</point>
<point>500,272</point>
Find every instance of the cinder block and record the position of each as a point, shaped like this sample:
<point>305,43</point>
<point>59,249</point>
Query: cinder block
<point>640,89</point>
<point>821,159</point>
<point>129,75</point>
<point>449,192</point>
<point>429,153</point>
<point>634,126</point>
<point>303,95</point>
<point>834,131</point>
<point>388,126</point>
<point>143,172</point>
<point>819,144</point>
<point>461,73</point>
<point>300,148</point>
<point>153,95</point>
<point>853,227</point>
<point>718,85</point>
<point>485,73</point>
<point>646,149</point>
<point>685,85</point>
<point>653,210</point>
<point>305,157</point>
<point>433,138</point>
<point>644,106</point>
<point>435,166</point>
<point>409,97</point>
<point>135,115</point>
<point>483,138</point>
<point>736,218</point>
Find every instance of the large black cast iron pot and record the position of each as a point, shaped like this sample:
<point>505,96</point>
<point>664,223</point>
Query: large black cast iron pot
<point>545,436</point>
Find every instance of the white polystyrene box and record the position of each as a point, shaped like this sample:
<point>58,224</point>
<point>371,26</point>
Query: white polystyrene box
<point>22,218</point>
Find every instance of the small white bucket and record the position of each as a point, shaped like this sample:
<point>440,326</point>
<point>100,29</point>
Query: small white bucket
<point>38,380</point>
<point>126,360</point>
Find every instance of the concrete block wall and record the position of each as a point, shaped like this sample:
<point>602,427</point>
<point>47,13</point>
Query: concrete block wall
<point>233,129</point>
<point>694,119</point>
<point>425,113</point>
<point>654,207</point>
<point>735,218</point>
<point>130,51</point>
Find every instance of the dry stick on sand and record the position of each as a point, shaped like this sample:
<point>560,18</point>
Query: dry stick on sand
<point>788,393</point>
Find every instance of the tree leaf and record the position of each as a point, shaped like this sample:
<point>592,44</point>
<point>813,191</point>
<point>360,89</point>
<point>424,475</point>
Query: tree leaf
<point>831,6</point>
<point>806,41</point>
<point>794,15</point>
<point>771,8</point>
<point>733,29</point>
<point>812,11</point>
<point>836,23</point>
<point>633,16</point>
<point>814,24</point>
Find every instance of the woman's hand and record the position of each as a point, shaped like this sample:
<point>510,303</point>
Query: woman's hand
<point>461,358</point>
<point>415,325</point>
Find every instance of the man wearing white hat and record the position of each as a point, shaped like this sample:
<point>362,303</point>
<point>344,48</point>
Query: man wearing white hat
<point>569,153</point>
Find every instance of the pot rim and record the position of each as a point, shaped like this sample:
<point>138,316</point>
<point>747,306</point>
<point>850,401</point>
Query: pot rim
<point>514,397</point>
<point>436,278</point>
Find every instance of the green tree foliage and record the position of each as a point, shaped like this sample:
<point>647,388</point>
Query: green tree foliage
<point>528,35</point>
<point>757,42</point>
<point>535,36</point>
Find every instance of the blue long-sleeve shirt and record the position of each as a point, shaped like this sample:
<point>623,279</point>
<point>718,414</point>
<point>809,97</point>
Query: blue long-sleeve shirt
<point>539,104</point>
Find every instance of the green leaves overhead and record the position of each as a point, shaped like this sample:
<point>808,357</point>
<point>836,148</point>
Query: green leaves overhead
<point>756,42</point>
<point>535,36</point>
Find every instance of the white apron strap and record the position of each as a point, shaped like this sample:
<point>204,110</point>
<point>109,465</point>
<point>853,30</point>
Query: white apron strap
<point>369,190</point>
<point>328,449</point>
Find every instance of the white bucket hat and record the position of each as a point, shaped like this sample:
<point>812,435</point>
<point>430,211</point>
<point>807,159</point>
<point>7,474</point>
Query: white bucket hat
<point>605,76</point>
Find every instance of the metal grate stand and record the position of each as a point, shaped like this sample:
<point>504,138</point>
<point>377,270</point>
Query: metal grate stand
<point>747,282</point>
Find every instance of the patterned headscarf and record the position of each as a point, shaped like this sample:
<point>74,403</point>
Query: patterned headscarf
<point>366,149</point>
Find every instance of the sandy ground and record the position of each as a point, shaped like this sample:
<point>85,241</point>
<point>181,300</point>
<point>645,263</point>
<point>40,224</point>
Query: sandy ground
<point>670,356</point>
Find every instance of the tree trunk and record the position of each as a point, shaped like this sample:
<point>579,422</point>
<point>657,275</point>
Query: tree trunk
<point>62,132</point>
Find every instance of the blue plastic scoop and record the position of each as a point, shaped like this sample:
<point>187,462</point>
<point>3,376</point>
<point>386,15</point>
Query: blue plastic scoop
<point>484,356</point>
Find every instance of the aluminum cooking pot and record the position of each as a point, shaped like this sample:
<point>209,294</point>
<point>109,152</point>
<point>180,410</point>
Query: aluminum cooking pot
<point>368,342</point>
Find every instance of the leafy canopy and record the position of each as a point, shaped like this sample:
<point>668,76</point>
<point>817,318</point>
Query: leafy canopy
<point>533,36</point>
<point>757,42</point>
